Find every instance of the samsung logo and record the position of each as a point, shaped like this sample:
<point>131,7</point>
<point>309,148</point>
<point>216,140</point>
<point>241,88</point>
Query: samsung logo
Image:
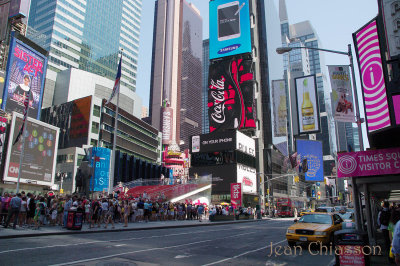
<point>229,48</point>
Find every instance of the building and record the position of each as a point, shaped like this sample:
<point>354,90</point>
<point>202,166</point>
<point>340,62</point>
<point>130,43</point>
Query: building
<point>88,122</point>
<point>206,65</point>
<point>176,79</point>
<point>145,112</point>
<point>88,35</point>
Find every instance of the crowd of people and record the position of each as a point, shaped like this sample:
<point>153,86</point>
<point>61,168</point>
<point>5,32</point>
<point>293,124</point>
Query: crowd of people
<point>33,211</point>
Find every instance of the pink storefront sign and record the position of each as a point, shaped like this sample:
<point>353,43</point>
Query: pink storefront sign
<point>369,163</point>
<point>236,194</point>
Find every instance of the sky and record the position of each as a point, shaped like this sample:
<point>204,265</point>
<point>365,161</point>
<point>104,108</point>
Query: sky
<point>334,22</point>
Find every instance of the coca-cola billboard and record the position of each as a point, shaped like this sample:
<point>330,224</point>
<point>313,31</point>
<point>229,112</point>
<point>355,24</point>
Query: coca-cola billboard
<point>231,103</point>
<point>167,124</point>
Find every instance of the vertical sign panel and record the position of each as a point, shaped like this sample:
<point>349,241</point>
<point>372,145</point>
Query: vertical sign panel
<point>101,159</point>
<point>279,108</point>
<point>396,107</point>
<point>312,151</point>
<point>366,41</point>
<point>236,195</point>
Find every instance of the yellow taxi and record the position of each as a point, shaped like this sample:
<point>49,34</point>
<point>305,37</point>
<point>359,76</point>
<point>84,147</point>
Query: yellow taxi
<point>314,227</point>
<point>305,211</point>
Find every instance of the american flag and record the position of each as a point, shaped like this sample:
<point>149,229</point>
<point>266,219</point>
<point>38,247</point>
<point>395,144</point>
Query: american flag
<point>117,82</point>
<point>26,105</point>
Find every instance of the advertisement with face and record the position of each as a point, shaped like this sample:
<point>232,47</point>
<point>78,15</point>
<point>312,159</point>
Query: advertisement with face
<point>26,70</point>
<point>307,105</point>
<point>101,157</point>
<point>40,152</point>
<point>312,151</point>
<point>248,177</point>
<point>231,102</point>
<point>279,108</point>
<point>229,28</point>
<point>342,93</point>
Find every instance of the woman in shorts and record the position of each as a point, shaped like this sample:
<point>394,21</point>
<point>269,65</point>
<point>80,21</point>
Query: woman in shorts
<point>109,216</point>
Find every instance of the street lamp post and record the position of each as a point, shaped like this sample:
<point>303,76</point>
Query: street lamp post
<point>282,50</point>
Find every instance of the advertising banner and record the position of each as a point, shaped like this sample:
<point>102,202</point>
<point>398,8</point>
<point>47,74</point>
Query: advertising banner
<point>279,108</point>
<point>236,195</point>
<point>366,42</point>
<point>307,105</point>
<point>40,152</point>
<point>19,8</point>
<point>396,107</point>
<point>3,130</point>
<point>229,28</point>
<point>248,177</point>
<point>391,14</point>
<point>101,157</point>
<point>231,103</point>
<point>369,163</point>
<point>26,70</point>
<point>221,175</point>
<point>167,124</point>
<point>218,141</point>
<point>342,93</point>
<point>245,144</point>
<point>312,151</point>
<point>3,20</point>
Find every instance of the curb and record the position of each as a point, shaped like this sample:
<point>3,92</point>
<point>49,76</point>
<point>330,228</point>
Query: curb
<point>71,232</point>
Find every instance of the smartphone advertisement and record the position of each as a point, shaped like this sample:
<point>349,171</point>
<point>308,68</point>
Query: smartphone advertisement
<point>307,105</point>
<point>229,28</point>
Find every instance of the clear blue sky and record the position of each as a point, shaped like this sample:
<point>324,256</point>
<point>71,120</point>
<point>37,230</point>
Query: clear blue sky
<point>333,20</point>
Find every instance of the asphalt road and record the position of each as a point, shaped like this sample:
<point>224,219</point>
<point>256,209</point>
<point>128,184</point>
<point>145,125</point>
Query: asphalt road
<point>235,244</point>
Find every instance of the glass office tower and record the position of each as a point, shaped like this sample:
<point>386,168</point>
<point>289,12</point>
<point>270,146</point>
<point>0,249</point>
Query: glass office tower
<point>88,35</point>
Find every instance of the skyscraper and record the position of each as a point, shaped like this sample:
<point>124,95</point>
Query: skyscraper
<point>88,35</point>
<point>176,76</point>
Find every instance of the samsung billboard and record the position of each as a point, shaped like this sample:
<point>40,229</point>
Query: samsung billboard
<point>26,70</point>
<point>40,152</point>
<point>229,28</point>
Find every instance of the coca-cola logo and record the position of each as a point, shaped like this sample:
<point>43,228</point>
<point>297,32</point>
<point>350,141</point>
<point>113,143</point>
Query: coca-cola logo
<point>217,94</point>
<point>247,181</point>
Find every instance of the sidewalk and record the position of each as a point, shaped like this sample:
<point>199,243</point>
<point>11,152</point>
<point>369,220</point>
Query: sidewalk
<point>57,230</point>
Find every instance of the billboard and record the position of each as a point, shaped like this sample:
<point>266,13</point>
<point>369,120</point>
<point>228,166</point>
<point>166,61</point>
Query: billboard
<point>3,130</point>
<point>396,107</point>
<point>26,70</point>
<point>229,28</point>
<point>369,163</point>
<point>248,177</point>
<point>102,159</point>
<point>312,151</point>
<point>40,152</point>
<point>19,8</point>
<point>342,93</point>
<point>245,144</point>
<point>231,102</point>
<point>3,20</point>
<point>167,114</point>
<point>366,42</point>
<point>218,141</point>
<point>279,108</point>
<point>307,105</point>
<point>236,195</point>
<point>391,15</point>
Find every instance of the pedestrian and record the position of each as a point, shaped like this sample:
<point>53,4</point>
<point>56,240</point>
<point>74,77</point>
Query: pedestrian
<point>31,209</point>
<point>67,206</point>
<point>396,244</point>
<point>200,211</point>
<point>5,203</point>
<point>383,223</point>
<point>96,214</point>
<point>109,214</point>
<point>22,212</point>
<point>14,208</point>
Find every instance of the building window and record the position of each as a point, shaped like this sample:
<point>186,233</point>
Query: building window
<point>80,159</point>
<point>96,110</point>
<point>95,128</point>
<point>93,142</point>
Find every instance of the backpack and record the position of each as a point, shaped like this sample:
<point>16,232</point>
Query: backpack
<point>384,219</point>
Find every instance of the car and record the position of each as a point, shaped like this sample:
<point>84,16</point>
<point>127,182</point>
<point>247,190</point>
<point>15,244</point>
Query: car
<point>340,209</point>
<point>325,209</point>
<point>314,227</point>
<point>304,211</point>
<point>347,216</point>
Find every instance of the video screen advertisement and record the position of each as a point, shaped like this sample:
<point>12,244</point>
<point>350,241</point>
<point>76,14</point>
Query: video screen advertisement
<point>231,99</point>
<point>312,151</point>
<point>102,160</point>
<point>26,69</point>
<point>229,28</point>
<point>368,51</point>
<point>40,152</point>
<point>307,105</point>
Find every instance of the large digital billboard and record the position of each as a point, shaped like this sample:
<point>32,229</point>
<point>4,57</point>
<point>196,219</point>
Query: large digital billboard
<point>312,151</point>
<point>307,105</point>
<point>231,102</point>
<point>279,105</point>
<point>40,152</point>
<point>229,28</point>
<point>366,42</point>
<point>248,177</point>
<point>102,159</point>
<point>26,70</point>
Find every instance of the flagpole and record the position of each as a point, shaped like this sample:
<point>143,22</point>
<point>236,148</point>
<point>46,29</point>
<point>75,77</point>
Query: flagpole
<point>110,187</point>
<point>22,149</point>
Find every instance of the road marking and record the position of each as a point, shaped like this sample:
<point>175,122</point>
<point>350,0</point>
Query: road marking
<point>182,256</point>
<point>145,250</point>
<point>245,253</point>
<point>120,245</point>
<point>109,241</point>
